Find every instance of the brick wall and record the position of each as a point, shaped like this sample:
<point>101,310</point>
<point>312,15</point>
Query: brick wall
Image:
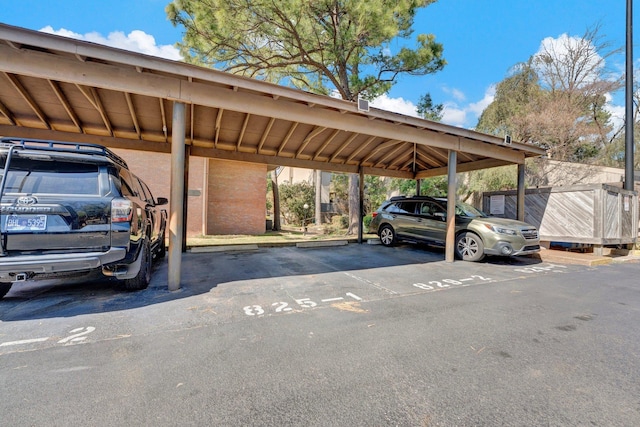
<point>155,170</point>
<point>236,201</point>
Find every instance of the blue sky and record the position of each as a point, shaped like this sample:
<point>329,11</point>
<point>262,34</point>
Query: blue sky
<point>482,39</point>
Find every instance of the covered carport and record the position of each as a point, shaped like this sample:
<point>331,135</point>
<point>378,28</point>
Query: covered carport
<point>58,88</point>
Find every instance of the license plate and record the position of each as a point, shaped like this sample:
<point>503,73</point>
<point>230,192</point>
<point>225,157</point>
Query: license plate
<point>26,223</point>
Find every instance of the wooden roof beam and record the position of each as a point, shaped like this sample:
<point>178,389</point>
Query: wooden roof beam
<point>430,160</point>
<point>265,134</point>
<point>381,147</point>
<point>65,103</point>
<point>462,167</point>
<point>400,159</point>
<point>315,132</point>
<point>28,98</point>
<point>388,155</point>
<point>163,114</point>
<point>287,137</point>
<point>94,99</point>
<point>134,116</point>
<point>5,112</point>
<point>242,131</point>
<point>359,149</point>
<point>326,143</point>
<point>343,146</point>
<point>218,126</point>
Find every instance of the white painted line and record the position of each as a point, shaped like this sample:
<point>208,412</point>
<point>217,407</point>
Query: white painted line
<point>369,282</point>
<point>332,299</point>
<point>21,342</point>
<point>356,297</point>
<point>465,280</point>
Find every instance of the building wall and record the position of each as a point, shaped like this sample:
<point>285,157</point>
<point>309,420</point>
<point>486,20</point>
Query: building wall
<point>558,173</point>
<point>236,197</point>
<point>155,170</point>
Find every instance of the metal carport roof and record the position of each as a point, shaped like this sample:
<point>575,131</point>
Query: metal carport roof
<point>58,88</point>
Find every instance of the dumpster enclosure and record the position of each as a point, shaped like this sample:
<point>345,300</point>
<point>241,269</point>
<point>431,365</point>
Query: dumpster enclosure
<point>598,214</point>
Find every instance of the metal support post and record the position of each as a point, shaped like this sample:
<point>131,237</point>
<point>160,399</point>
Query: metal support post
<point>521,193</point>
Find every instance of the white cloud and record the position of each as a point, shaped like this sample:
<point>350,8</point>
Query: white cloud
<point>457,94</point>
<point>478,107</point>
<point>396,105</point>
<point>136,41</point>
<point>569,58</point>
<point>453,115</point>
<point>617,112</point>
<point>467,115</point>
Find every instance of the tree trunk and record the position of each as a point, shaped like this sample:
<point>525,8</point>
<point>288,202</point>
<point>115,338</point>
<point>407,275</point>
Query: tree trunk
<point>276,202</point>
<point>318,197</point>
<point>354,204</point>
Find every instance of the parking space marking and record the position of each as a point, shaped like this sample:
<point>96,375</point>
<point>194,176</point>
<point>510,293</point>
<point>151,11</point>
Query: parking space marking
<point>77,336</point>
<point>435,285</point>
<point>369,282</point>
<point>23,342</point>
<point>283,307</point>
<point>551,268</point>
<point>355,297</point>
<point>299,304</point>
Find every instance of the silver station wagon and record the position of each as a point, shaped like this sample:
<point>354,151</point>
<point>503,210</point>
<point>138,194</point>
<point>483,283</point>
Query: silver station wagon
<point>423,219</point>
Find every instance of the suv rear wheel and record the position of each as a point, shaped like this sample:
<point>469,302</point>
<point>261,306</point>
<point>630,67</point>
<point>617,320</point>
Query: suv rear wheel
<point>387,235</point>
<point>142,279</point>
<point>469,247</point>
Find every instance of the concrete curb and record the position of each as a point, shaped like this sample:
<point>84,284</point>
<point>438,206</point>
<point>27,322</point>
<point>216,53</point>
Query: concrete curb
<point>321,243</point>
<point>225,248</point>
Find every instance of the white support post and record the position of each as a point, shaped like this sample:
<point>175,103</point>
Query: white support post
<point>176,212</point>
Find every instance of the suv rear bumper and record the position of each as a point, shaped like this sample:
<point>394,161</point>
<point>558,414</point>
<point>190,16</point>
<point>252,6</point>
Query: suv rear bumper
<point>30,265</point>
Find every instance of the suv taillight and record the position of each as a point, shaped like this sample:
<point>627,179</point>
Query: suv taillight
<point>374,214</point>
<point>121,210</point>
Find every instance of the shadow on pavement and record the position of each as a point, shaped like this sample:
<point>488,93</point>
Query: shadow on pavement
<point>203,272</point>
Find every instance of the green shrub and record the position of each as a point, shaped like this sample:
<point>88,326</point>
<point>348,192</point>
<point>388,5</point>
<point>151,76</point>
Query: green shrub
<point>366,221</point>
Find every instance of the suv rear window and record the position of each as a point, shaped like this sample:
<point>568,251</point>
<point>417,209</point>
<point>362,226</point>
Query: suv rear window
<point>48,177</point>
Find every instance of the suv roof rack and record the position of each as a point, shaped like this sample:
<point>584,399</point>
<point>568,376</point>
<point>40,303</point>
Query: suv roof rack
<point>65,147</point>
<point>396,198</point>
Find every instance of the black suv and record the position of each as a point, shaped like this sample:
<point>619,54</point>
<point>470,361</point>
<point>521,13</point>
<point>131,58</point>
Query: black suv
<point>69,209</point>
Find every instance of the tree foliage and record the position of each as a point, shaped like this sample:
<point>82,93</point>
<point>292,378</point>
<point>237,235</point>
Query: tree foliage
<point>557,99</point>
<point>320,45</point>
<point>375,192</point>
<point>434,187</point>
<point>428,110</point>
<point>293,198</point>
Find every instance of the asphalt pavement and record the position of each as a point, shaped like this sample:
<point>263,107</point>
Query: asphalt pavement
<point>356,335</point>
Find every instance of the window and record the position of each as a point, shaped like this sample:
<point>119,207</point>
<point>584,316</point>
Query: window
<point>49,177</point>
<point>402,207</point>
